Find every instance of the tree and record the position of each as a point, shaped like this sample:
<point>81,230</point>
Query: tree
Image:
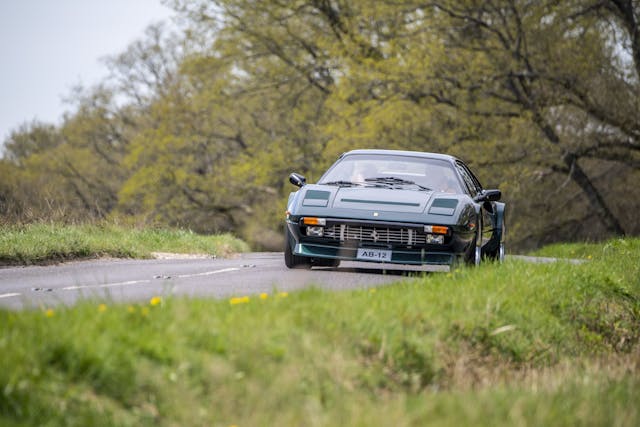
<point>200,129</point>
<point>28,139</point>
<point>543,62</point>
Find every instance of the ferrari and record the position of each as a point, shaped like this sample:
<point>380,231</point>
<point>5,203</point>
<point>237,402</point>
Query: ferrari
<point>399,207</point>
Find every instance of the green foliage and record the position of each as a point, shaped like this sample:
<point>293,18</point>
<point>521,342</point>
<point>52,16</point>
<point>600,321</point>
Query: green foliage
<point>46,243</point>
<point>516,343</point>
<point>541,98</point>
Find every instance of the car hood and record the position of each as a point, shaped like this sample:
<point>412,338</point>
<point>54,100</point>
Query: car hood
<point>385,204</point>
<point>382,199</point>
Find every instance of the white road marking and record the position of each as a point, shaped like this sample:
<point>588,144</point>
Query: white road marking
<point>135,282</point>
<point>106,285</point>
<point>9,295</point>
<point>208,273</point>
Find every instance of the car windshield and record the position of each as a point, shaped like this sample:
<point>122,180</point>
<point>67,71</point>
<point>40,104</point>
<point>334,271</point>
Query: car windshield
<point>393,171</point>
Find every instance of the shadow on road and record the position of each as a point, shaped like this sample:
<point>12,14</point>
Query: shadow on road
<point>385,271</point>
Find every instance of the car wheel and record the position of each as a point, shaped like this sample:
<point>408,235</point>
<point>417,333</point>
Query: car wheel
<point>497,251</point>
<point>291,260</point>
<point>477,256</point>
<point>474,255</point>
<point>500,256</point>
<point>497,254</point>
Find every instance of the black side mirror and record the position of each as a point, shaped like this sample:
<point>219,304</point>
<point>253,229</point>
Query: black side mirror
<point>488,196</point>
<point>297,179</point>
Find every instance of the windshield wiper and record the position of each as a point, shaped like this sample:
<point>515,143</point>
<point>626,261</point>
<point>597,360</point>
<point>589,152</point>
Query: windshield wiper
<point>393,181</point>
<point>341,183</point>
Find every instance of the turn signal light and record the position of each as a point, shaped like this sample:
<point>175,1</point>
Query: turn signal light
<point>314,221</point>
<point>436,229</point>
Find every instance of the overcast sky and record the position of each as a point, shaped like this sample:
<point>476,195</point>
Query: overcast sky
<point>49,46</point>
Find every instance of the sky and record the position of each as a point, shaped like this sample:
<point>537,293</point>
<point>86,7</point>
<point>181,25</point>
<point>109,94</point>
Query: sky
<point>49,46</point>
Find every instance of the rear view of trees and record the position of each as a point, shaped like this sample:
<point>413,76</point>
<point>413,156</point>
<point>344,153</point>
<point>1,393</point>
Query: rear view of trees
<point>202,128</point>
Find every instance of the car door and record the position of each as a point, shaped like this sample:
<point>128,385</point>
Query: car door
<point>487,209</point>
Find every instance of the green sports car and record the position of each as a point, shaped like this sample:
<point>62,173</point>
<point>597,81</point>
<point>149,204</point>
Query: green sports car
<point>388,206</point>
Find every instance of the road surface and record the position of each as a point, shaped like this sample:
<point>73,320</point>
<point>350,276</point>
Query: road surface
<point>128,280</point>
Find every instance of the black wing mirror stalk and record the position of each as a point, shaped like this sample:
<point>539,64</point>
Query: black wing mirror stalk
<point>297,179</point>
<point>488,196</point>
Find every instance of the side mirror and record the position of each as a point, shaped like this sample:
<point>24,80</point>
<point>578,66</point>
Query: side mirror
<point>488,196</point>
<point>297,179</point>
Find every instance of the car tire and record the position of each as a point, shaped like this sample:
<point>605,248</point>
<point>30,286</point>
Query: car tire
<point>501,253</point>
<point>497,252</point>
<point>291,260</point>
<point>473,257</point>
<point>477,256</point>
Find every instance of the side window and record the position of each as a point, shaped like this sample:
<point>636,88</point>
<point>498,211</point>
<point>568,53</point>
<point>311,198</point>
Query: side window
<point>470,181</point>
<point>473,177</point>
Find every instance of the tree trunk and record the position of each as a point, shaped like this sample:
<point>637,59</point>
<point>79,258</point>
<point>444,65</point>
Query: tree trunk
<point>627,13</point>
<point>579,176</point>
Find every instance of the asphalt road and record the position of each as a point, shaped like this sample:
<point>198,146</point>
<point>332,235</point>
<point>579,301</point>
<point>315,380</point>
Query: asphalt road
<point>139,280</point>
<point>121,280</point>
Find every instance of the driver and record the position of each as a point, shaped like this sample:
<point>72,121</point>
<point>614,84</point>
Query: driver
<point>362,171</point>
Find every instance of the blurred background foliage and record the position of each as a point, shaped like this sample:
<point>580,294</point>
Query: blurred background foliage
<point>200,123</point>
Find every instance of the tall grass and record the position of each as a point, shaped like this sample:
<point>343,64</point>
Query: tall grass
<point>44,243</point>
<point>512,344</point>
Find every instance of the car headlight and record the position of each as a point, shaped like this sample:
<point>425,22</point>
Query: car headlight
<point>314,231</point>
<point>435,239</point>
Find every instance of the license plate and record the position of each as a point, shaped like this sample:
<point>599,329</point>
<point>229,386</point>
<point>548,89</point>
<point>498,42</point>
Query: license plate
<point>374,254</point>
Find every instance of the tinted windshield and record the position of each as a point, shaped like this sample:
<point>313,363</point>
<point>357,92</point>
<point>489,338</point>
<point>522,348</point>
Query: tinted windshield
<point>369,169</point>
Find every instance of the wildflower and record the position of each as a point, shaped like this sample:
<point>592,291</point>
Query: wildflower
<point>131,309</point>
<point>283,294</point>
<point>372,291</point>
<point>49,312</point>
<point>144,311</point>
<point>264,296</point>
<point>239,300</point>
<point>589,257</point>
<point>102,308</point>
<point>155,301</point>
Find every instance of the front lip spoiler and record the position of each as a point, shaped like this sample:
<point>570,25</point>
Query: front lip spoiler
<point>399,256</point>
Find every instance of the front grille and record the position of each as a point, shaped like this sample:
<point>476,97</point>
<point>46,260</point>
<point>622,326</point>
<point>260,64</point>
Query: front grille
<point>370,234</point>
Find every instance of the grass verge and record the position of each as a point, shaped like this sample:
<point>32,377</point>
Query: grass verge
<point>501,345</point>
<point>46,243</point>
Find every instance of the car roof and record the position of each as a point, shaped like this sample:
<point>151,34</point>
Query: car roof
<point>404,153</point>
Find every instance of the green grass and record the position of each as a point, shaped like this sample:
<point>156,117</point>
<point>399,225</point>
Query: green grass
<point>46,243</point>
<point>501,345</point>
<point>585,251</point>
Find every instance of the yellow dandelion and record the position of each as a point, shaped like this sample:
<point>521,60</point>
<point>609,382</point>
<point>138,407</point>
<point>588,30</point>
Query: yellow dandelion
<point>589,257</point>
<point>239,300</point>
<point>131,309</point>
<point>155,301</point>
<point>264,296</point>
<point>283,294</point>
<point>372,291</point>
<point>144,311</point>
<point>102,308</point>
<point>49,312</point>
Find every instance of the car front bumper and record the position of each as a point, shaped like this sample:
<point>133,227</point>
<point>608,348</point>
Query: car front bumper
<point>398,256</point>
<point>456,244</point>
